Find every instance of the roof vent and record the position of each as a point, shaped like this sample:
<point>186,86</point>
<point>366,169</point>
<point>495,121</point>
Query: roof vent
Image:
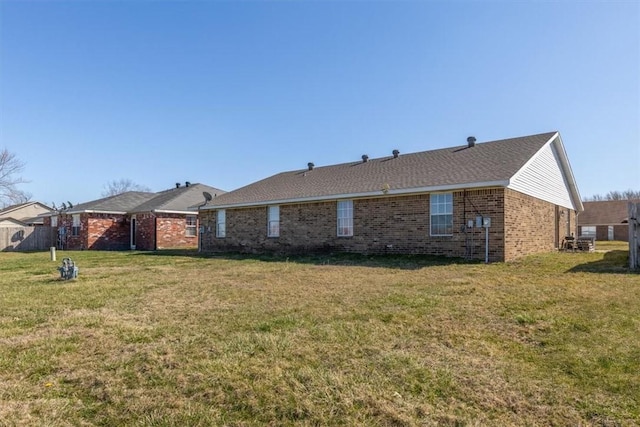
<point>177,185</point>
<point>471,141</point>
<point>395,154</point>
<point>187,184</point>
<point>365,158</point>
<point>310,166</point>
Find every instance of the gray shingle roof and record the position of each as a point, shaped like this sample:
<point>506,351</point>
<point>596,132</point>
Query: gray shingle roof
<point>182,199</point>
<point>7,210</point>
<point>488,162</point>
<point>186,199</point>
<point>123,202</point>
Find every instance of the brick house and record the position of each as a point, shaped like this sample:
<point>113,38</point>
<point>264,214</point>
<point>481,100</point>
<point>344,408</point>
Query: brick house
<point>133,220</point>
<point>432,202</point>
<point>605,220</point>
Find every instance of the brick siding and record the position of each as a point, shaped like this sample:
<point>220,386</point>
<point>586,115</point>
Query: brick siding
<point>533,225</point>
<point>145,231</point>
<point>520,225</point>
<point>97,231</point>
<point>171,232</point>
<point>113,232</point>
<point>106,231</point>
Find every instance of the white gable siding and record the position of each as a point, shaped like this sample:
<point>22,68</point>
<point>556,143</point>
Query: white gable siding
<point>542,177</point>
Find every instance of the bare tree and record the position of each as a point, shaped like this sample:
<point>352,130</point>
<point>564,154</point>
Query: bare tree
<point>614,195</point>
<point>122,185</point>
<point>631,194</point>
<point>10,168</point>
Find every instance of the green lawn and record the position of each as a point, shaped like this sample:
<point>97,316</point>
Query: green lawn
<point>177,339</point>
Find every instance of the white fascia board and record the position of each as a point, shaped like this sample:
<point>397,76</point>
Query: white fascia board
<point>92,211</point>
<point>573,187</point>
<point>380,193</point>
<point>175,212</point>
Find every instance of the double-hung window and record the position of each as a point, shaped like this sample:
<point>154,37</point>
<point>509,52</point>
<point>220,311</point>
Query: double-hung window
<point>345,218</point>
<point>54,221</point>
<point>75,228</point>
<point>441,209</point>
<point>273,221</point>
<point>191,226</point>
<point>221,223</point>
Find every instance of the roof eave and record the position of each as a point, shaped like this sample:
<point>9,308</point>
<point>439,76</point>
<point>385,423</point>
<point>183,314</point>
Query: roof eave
<point>166,211</point>
<point>564,159</point>
<point>379,193</point>
<point>94,211</point>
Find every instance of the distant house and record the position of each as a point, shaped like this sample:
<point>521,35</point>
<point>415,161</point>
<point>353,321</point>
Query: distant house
<point>23,214</point>
<point>133,220</point>
<point>605,220</point>
<point>431,202</point>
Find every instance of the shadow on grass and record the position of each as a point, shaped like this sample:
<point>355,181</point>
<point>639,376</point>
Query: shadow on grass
<point>403,262</point>
<point>612,262</point>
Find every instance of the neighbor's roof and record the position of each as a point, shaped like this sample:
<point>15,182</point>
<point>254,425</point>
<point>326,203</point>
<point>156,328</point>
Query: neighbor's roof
<point>485,164</point>
<point>608,212</point>
<point>181,199</point>
<point>5,212</point>
<point>120,203</point>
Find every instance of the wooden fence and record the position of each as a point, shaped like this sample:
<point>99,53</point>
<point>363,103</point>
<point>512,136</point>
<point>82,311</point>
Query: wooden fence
<point>25,238</point>
<point>634,236</point>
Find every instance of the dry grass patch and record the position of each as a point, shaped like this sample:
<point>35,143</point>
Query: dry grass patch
<point>179,339</point>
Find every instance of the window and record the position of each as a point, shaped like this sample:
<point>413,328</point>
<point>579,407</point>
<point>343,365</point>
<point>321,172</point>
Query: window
<point>273,221</point>
<point>588,231</point>
<point>221,226</point>
<point>75,229</point>
<point>345,218</point>
<point>191,226</point>
<point>54,221</point>
<point>441,214</point>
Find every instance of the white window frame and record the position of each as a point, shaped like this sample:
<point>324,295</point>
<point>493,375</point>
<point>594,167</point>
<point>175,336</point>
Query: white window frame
<point>76,225</point>
<point>344,218</point>
<point>273,221</point>
<point>221,223</point>
<point>441,214</point>
<point>191,226</point>
<point>54,221</point>
<point>588,231</point>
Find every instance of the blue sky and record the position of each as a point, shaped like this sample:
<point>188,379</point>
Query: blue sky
<point>226,93</point>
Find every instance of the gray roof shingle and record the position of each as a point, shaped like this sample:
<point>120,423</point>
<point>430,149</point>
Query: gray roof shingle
<point>495,161</point>
<point>182,199</point>
<point>123,202</point>
<point>186,199</point>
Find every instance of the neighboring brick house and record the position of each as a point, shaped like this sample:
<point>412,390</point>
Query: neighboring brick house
<point>421,203</point>
<point>23,214</point>
<point>133,220</point>
<point>605,220</point>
